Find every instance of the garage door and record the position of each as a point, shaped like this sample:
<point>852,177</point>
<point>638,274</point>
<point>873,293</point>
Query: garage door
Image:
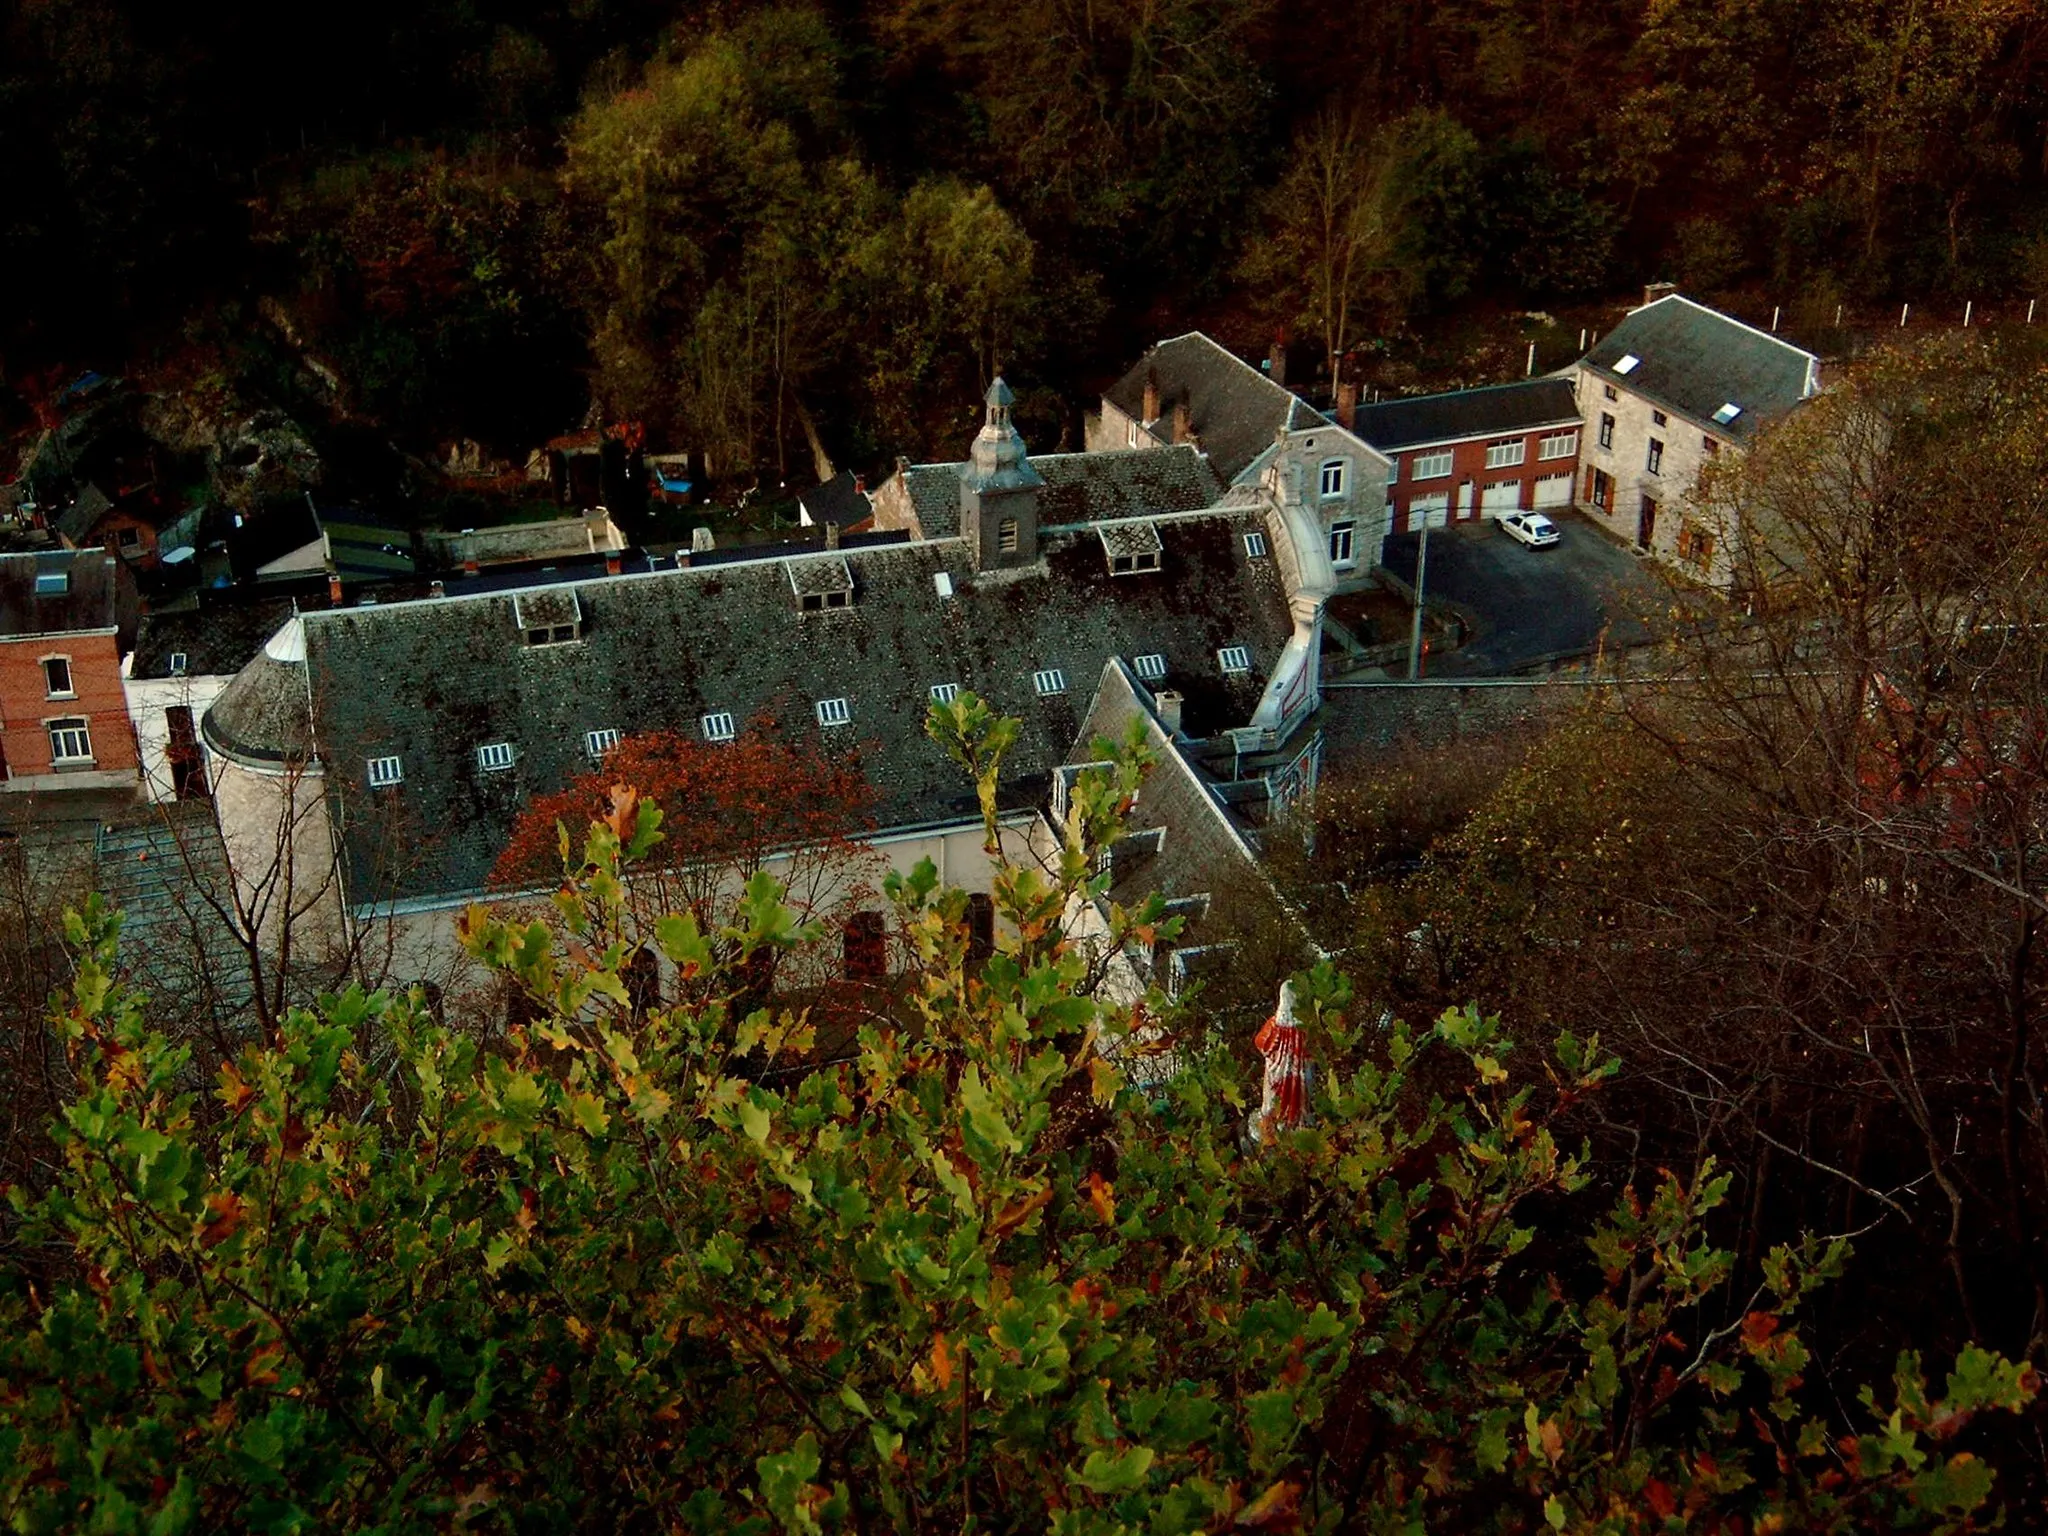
<point>1496,500</point>
<point>1436,510</point>
<point>1554,490</point>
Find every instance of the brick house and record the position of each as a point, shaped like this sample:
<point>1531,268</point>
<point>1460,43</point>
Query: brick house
<point>66,620</point>
<point>1476,453</point>
<point>1664,394</point>
<point>1192,391</point>
<point>92,521</point>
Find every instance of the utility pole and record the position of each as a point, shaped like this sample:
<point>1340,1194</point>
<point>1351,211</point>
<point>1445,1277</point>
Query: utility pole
<point>1421,575</point>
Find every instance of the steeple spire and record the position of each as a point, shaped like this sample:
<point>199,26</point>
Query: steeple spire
<point>999,489</point>
<point>999,461</point>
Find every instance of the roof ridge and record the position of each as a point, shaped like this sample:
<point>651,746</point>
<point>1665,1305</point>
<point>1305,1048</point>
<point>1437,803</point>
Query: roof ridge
<point>1708,309</point>
<point>1471,389</point>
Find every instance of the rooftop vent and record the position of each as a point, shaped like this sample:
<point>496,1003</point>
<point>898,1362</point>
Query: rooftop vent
<point>1727,413</point>
<point>1627,363</point>
<point>820,585</point>
<point>1132,548</point>
<point>553,616</point>
<point>942,581</point>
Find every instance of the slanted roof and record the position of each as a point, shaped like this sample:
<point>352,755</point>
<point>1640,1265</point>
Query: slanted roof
<point>1079,487</point>
<point>836,502</point>
<point>1696,360</point>
<point>278,530</point>
<point>91,595</point>
<point>1456,415</point>
<point>215,642</point>
<point>430,681</point>
<point>1234,410</point>
<point>76,521</point>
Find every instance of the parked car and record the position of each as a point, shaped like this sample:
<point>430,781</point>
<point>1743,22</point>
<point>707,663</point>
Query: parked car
<point>1532,528</point>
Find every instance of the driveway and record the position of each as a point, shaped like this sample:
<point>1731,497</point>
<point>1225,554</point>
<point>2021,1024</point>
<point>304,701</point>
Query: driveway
<point>1531,606</point>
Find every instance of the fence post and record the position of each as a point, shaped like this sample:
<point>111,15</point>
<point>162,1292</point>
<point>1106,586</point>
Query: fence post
<point>1774,319</point>
<point>1968,305</point>
<point>2030,311</point>
<point>1529,371</point>
<point>1838,317</point>
<point>1903,308</point>
<point>1582,338</point>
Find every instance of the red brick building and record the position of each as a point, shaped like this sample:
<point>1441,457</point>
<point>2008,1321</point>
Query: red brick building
<point>66,620</point>
<point>1474,453</point>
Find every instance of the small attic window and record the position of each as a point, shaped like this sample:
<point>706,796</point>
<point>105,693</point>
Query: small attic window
<point>52,583</point>
<point>1255,545</point>
<point>600,741</point>
<point>945,693</point>
<point>1727,413</point>
<point>1627,364</point>
<point>178,663</point>
<point>1049,682</point>
<point>834,711</point>
<point>1234,659</point>
<point>717,726</point>
<point>386,771</point>
<point>495,757</point>
<point>1131,548</point>
<point>820,585</point>
<point>550,617</point>
<point>1151,667</point>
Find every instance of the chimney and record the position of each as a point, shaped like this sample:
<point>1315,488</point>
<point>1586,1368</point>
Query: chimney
<point>860,484</point>
<point>1166,704</point>
<point>1183,422</point>
<point>1347,405</point>
<point>611,563</point>
<point>469,564</point>
<point>1151,395</point>
<point>334,586</point>
<point>1652,292</point>
<point>1276,360</point>
<point>831,535</point>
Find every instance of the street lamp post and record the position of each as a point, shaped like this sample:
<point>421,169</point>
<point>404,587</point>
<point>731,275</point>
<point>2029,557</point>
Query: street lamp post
<point>1421,575</point>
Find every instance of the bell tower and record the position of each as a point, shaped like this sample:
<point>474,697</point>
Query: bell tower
<point>999,491</point>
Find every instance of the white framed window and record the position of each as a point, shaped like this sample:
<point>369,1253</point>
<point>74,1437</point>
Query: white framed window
<point>1130,434</point>
<point>1606,430</point>
<point>57,678</point>
<point>70,742</point>
<point>600,741</point>
<point>52,583</point>
<point>495,756</point>
<point>1558,445</point>
<point>1655,462</point>
<point>1394,470</point>
<point>386,771</point>
<point>1506,453</point>
<point>1432,466</point>
<point>179,662</point>
<point>1331,481</point>
<point>1049,682</point>
<point>1151,667</point>
<point>1234,659</point>
<point>945,693</point>
<point>552,634</point>
<point>834,711</point>
<point>717,726</point>
<point>1255,545</point>
<point>1627,364</point>
<point>1342,545</point>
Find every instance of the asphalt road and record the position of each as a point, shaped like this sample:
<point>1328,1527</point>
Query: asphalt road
<point>1529,606</point>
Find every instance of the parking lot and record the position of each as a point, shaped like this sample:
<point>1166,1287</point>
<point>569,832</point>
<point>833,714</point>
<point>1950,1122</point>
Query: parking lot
<point>1528,606</point>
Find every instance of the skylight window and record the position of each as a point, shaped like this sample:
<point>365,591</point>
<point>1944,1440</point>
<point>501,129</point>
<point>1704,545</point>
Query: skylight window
<point>179,661</point>
<point>942,583</point>
<point>1727,413</point>
<point>717,726</point>
<point>945,693</point>
<point>1151,668</point>
<point>834,711</point>
<point>1627,364</point>
<point>1049,682</point>
<point>495,757</point>
<point>600,741</point>
<point>52,583</point>
<point>385,772</point>
<point>1234,659</point>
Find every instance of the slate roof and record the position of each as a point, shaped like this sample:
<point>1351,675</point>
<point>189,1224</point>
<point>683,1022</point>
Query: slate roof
<point>216,642</point>
<point>271,535</point>
<point>836,501</point>
<point>76,521</point>
<point>1234,410</point>
<point>1080,487</point>
<point>95,597</point>
<point>433,680</point>
<point>1493,411</point>
<point>1694,360</point>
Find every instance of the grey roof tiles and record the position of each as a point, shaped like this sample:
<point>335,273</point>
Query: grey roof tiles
<point>1696,360</point>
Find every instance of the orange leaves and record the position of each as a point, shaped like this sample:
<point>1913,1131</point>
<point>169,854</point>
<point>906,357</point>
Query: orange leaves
<point>234,1094</point>
<point>942,1362</point>
<point>225,1211</point>
<point>260,1370</point>
<point>1277,1509</point>
<point>1757,1327</point>
<point>1102,1195</point>
<point>1011,1217</point>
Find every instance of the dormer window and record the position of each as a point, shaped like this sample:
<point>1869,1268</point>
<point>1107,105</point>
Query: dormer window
<point>717,726</point>
<point>1131,548</point>
<point>495,757</point>
<point>1151,668</point>
<point>385,772</point>
<point>1627,364</point>
<point>945,693</point>
<point>820,585</point>
<point>552,616</point>
<point>834,712</point>
<point>1049,682</point>
<point>178,663</point>
<point>598,743</point>
<point>1234,659</point>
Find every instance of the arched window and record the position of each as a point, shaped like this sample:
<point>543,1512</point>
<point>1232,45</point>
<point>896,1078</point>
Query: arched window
<point>1333,478</point>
